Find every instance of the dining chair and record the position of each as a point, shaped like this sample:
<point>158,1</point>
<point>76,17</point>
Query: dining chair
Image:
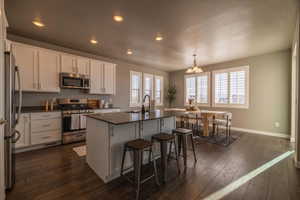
<point>224,120</point>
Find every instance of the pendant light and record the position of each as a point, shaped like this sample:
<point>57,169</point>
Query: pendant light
<point>194,68</point>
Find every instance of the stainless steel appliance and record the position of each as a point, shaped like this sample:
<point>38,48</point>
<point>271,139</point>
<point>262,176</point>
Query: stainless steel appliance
<point>73,119</point>
<point>13,104</point>
<point>74,81</point>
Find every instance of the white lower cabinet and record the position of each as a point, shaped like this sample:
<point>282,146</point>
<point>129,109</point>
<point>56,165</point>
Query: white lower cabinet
<point>24,129</point>
<point>39,128</point>
<point>45,127</point>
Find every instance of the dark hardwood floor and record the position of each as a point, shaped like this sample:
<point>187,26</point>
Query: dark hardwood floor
<point>59,173</point>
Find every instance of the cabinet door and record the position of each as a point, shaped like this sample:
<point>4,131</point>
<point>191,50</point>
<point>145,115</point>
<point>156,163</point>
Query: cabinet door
<point>25,59</point>
<point>48,71</point>
<point>119,135</point>
<point>83,65</point>
<point>24,128</point>
<point>68,63</point>
<point>96,77</point>
<point>109,78</point>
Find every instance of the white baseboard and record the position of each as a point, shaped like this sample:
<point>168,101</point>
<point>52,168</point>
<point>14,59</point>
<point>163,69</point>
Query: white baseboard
<point>281,135</point>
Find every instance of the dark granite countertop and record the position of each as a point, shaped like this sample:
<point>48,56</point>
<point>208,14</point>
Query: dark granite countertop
<point>34,109</point>
<point>127,117</point>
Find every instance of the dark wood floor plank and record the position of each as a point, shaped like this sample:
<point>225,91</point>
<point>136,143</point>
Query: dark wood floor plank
<point>59,173</point>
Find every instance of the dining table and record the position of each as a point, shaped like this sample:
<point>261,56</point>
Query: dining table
<point>204,115</point>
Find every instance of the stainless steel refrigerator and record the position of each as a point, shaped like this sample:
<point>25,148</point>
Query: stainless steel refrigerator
<point>13,104</point>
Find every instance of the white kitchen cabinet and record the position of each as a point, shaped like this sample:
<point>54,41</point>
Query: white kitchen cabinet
<point>26,60</point>
<point>24,128</point>
<point>96,76</point>
<point>103,77</point>
<point>45,127</point>
<point>83,65</point>
<point>49,68</point>
<point>109,78</point>
<point>68,63</point>
<point>119,135</point>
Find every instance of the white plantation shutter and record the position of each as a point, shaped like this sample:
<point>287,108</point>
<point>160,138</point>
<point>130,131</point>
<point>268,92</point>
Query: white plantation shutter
<point>237,87</point>
<point>190,88</point>
<point>221,88</point>
<point>135,88</point>
<point>148,85</point>
<point>202,89</point>
<point>231,87</point>
<point>158,90</point>
<point>197,87</point>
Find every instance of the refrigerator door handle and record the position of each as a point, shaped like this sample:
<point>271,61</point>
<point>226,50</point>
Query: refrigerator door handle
<point>20,95</point>
<point>14,138</point>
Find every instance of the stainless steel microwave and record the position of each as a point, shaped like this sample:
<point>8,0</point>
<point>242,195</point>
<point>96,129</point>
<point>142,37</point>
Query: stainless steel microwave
<point>74,81</point>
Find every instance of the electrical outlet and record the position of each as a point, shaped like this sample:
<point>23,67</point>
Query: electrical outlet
<point>277,124</point>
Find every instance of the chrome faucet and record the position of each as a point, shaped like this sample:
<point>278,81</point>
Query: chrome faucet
<point>144,99</point>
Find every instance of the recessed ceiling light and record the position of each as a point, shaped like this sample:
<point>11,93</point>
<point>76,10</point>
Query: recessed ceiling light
<point>159,37</point>
<point>38,23</point>
<point>118,18</point>
<point>129,52</point>
<point>93,41</point>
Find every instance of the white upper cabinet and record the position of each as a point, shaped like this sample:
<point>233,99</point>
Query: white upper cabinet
<point>48,62</point>
<point>25,58</point>
<point>68,63</point>
<point>109,78</point>
<point>96,76</point>
<point>83,65</point>
<point>103,76</point>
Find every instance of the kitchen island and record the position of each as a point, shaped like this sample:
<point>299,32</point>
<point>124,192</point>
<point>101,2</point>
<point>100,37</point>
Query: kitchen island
<point>107,134</point>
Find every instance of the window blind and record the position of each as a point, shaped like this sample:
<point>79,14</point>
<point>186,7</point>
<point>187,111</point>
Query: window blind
<point>190,88</point>
<point>158,84</point>
<point>237,87</point>
<point>202,89</point>
<point>135,92</point>
<point>221,88</point>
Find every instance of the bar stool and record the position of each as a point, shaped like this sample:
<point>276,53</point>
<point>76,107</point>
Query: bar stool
<point>182,135</point>
<point>138,146</point>
<point>164,139</point>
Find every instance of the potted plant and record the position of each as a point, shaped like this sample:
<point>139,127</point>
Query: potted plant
<point>171,94</point>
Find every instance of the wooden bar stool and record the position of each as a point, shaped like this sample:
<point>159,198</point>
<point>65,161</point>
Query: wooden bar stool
<point>138,146</point>
<point>164,139</point>
<point>182,135</point>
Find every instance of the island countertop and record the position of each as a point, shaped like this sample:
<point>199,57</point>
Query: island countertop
<point>118,118</point>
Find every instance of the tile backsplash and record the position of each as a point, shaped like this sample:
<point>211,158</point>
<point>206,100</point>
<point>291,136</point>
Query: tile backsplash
<point>38,99</point>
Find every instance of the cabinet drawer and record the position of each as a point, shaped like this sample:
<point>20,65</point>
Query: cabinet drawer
<point>45,125</point>
<point>45,137</point>
<point>45,115</point>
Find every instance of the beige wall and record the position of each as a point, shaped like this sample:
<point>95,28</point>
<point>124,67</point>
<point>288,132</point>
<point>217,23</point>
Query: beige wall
<point>121,99</point>
<point>269,92</point>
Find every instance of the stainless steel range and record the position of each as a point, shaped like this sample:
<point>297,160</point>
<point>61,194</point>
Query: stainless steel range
<point>73,119</point>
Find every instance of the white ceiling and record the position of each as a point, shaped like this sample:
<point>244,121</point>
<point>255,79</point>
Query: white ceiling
<point>216,30</point>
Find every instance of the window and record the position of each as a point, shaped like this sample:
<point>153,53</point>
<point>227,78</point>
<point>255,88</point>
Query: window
<point>159,90</point>
<point>148,85</point>
<point>231,87</point>
<point>135,88</point>
<point>197,88</point>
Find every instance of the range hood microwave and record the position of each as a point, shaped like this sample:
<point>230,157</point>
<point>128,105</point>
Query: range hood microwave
<point>74,81</point>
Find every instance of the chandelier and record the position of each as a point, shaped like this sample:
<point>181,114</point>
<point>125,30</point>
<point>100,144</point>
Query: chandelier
<point>194,68</point>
